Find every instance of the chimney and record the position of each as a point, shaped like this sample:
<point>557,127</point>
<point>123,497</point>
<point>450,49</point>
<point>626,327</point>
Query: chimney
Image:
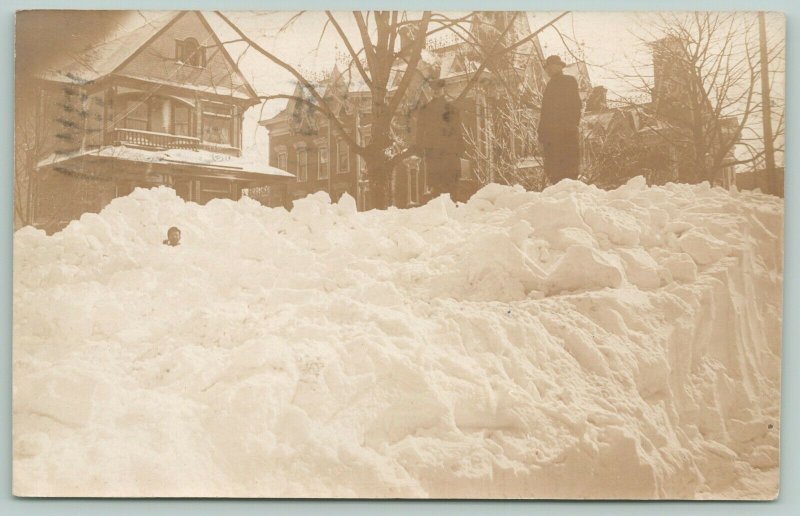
<point>671,77</point>
<point>597,101</point>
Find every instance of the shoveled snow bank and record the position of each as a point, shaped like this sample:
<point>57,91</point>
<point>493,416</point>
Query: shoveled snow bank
<point>570,343</point>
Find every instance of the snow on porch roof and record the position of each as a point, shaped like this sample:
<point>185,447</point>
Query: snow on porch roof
<point>177,157</point>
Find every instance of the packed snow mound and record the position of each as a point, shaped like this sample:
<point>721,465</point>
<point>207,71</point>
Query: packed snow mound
<point>569,343</point>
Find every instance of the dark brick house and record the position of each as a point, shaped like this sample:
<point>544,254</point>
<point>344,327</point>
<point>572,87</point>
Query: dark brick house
<point>304,144</point>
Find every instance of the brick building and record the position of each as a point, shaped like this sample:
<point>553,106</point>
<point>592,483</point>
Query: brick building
<point>705,137</point>
<point>303,143</point>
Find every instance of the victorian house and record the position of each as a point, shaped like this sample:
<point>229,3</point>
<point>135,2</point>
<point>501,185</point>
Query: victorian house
<point>302,142</point>
<point>159,104</point>
<point>675,136</point>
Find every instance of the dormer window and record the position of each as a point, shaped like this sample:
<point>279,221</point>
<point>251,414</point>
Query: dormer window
<point>190,52</point>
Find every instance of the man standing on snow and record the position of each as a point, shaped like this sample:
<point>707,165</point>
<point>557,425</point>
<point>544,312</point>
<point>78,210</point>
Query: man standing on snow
<point>440,140</point>
<point>558,125</point>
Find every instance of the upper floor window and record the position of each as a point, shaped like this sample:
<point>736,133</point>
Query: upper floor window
<point>218,124</point>
<point>154,114</point>
<point>136,114</point>
<point>190,52</point>
<point>181,119</point>
<point>282,161</point>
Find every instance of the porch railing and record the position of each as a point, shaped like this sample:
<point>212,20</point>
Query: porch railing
<point>151,140</point>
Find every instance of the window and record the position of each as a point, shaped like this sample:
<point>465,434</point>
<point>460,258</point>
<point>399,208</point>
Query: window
<point>343,153</point>
<point>218,124</point>
<point>190,52</point>
<point>136,115</point>
<point>302,165</point>
<point>362,163</point>
<point>181,120</point>
<point>483,127</point>
<point>282,161</point>
<point>322,163</point>
<point>159,115</point>
<point>413,182</point>
<point>424,176</point>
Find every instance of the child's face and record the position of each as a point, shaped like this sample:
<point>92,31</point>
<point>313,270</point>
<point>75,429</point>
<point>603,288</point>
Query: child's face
<point>174,237</point>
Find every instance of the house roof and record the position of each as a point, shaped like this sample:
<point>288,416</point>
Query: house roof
<point>106,53</point>
<point>637,120</point>
<point>446,59</point>
<point>345,86</point>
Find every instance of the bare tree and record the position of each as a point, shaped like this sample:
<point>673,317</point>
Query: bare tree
<point>615,151</point>
<point>503,147</point>
<point>26,153</point>
<point>704,79</point>
<point>389,70</point>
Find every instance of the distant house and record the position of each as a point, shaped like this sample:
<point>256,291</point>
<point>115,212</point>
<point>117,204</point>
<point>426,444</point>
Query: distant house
<point>660,137</point>
<point>160,104</point>
<point>679,98</point>
<point>624,141</point>
<point>302,142</point>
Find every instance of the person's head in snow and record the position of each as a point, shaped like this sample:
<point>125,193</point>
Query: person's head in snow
<point>173,237</point>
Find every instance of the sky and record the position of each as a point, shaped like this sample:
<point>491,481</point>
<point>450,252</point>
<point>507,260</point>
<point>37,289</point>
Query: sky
<point>609,42</point>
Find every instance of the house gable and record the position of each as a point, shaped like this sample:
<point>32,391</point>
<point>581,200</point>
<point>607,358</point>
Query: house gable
<point>158,60</point>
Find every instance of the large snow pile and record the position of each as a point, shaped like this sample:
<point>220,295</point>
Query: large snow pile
<point>569,343</point>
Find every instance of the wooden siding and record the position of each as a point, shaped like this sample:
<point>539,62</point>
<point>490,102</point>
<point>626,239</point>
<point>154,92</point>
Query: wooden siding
<point>158,62</point>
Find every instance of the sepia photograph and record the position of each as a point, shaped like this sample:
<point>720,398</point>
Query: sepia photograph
<point>398,254</point>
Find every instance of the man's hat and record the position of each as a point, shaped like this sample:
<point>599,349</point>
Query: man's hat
<point>555,60</point>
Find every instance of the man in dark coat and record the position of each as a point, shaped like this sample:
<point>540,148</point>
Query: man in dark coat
<point>440,140</point>
<point>558,125</point>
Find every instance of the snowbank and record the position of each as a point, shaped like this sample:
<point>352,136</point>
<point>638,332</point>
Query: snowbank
<point>570,343</point>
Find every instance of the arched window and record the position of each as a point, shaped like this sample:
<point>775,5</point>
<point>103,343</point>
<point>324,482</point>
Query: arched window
<point>190,52</point>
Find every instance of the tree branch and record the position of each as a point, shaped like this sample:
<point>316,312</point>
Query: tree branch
<point>297,75</point>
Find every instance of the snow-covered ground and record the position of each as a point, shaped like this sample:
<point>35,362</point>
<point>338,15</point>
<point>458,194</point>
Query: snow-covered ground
<point>570,343</point>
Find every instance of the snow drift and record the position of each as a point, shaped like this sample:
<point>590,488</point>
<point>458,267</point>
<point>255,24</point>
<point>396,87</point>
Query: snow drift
<point>570,343</point>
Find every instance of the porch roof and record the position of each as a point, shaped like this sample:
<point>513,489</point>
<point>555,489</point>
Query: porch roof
<point>205,162</point>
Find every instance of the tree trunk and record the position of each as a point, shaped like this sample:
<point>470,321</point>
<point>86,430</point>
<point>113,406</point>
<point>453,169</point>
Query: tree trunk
<point>379,175</point>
